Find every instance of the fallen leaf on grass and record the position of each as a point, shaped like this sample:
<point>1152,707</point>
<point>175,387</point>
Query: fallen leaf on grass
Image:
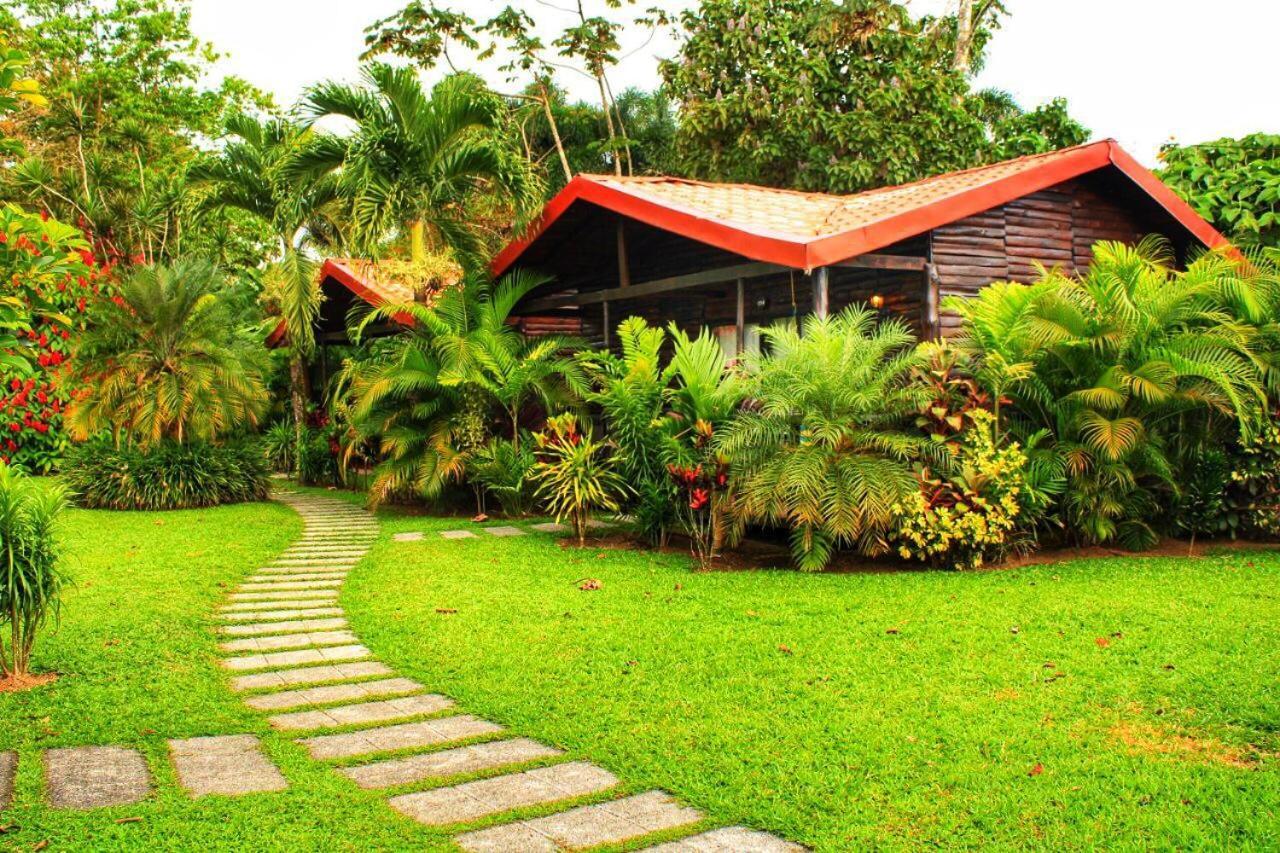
<point>892,631</point>
<point>1013,629</point>
<point>42,844</point>
<point>1037,770</point>
<point>8,827</point>
<point>479,518</point>
<point>785,649</point>
<point>1102,642</point>
<point>589,584</point>
<point>447,610</point>
<point>129,820</point>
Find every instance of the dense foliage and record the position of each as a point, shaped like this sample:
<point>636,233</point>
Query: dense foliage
<point>31,580</point>
<point>839,97</point>
<point>1233,183</point>
<point>167,476</point>
<point>164,360</point>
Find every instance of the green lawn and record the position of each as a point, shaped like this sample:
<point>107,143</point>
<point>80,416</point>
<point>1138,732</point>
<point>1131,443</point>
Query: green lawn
<point>137,660</point>
<point>1122,702</point>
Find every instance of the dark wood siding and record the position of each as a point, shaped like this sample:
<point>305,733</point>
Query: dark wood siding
<point>1055,227</point>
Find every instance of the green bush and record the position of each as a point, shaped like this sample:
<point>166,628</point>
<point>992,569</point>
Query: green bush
<point>169,476</point>
<point>30,582</point>
<point>578,475</point>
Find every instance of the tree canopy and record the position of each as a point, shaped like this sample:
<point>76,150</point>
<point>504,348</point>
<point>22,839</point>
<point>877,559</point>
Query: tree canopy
<point>840,96</point>
<point>1234,183</point>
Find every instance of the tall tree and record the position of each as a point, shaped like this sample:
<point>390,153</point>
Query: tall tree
<point>255,172</point>
<point>416,158</point>
<point>834,96</point>
<point>126,100</point>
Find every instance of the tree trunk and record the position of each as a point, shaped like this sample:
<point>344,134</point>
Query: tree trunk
<point>298,398</point>
<point>417,241</point>
<point>964,37</point>
<point>555,131</point>
<point>608,119</point>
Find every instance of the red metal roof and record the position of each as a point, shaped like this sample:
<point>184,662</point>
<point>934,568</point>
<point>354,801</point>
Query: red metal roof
<point>807,230</point>
<point>363,278</point>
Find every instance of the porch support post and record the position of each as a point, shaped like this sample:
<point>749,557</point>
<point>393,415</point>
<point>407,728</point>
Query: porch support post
<point>624,266</point>
<point>604,316</point>
<point>741,318</point>
<point>821,294</point>
<point>930,323</point>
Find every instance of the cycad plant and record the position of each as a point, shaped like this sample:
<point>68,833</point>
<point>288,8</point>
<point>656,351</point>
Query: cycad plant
<point>1131,367</point>
<point>165,360</point>
<point>431,399</point>
<point>416,158</point>
<point>820,446</point>
<point>30,578</point>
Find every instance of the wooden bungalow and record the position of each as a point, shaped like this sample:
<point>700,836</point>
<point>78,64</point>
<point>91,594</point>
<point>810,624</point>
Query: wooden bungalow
<point>734,257</point>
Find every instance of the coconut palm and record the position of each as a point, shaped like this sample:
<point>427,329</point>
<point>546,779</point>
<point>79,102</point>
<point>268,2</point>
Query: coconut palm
<point>415,159</point>
<point>165,361</point>
<point>820,447</point>
<point>1129,367</point>
<point>428,399</point>
<point>255,172</point>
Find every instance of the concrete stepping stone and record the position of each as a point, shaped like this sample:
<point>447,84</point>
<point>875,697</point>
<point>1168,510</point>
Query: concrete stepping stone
<point>731,839</point>
<point>282,603</point>
<point>90,777</point>
<point>289,626</point>
<point>309,675</point>
<point>276,587</point>
<point>369,712</point>
<point>457,534</point>
<point>285,595</point>
<point>448,762</point>
<point>267,576</point>
<point>402,736</point>
<point>289,641</point>
<point>415,536</point>
<point>613,822</point>
<point>8,771</point>
<point>472,800</point>
<point>269,615</point>
<point>332,693</point>
<point>312,562</point>
<point>550,527</point>
<point>297,657</point>
<point>504,531</point>
<point>226,765</point>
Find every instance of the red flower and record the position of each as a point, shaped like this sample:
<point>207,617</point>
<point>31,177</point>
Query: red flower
<point>15,427</point>
<point>698,498</point>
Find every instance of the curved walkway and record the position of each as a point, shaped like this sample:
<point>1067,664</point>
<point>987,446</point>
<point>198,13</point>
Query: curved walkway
<point>287,634</point>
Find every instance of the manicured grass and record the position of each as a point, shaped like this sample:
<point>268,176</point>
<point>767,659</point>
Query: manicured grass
<point>1128,702</point>
<point>136,653</point>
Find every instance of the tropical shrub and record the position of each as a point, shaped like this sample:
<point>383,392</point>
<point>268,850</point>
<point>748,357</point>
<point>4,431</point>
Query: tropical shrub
<point>279,444</point>
<point>1253,487</point>
<point>166,476</point>
<point>30,579</point>
<point>54,276</point>
<point>821,447</point>
<point>504,469</point>
<point>577,475</point>
<point>429,397</point>
<point>165,361</point>
<point>972,514</point>
<point>1130,369</point>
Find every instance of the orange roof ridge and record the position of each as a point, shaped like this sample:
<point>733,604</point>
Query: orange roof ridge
<point>805,229</point>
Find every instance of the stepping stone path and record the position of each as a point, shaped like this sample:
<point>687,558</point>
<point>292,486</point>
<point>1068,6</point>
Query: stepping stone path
<point>90,777</point>
<point>232,764</point>
<point>316,676</point>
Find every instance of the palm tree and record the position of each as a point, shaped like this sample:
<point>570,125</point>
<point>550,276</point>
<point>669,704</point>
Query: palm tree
<point>415,159</point>
<point>819,447</point>
<point>166,362</point>
<point>427,400</point>
<point>256,172</point>
<point>1120,362</point>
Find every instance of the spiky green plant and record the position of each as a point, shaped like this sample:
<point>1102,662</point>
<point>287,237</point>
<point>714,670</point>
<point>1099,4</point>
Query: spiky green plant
<point>166,361</point>
<point>578,474</point>
<point>1130,367</point>
<point>31,581</point>
<point>820,448</point>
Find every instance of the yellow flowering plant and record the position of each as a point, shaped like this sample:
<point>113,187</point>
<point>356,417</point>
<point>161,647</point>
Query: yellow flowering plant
<point>975,514</point>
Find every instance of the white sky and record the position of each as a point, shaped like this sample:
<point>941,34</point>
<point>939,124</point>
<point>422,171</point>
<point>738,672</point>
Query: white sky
<point>1141,71</point>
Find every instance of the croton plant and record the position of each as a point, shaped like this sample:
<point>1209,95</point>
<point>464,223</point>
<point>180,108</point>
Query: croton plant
<point>48,276</point>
